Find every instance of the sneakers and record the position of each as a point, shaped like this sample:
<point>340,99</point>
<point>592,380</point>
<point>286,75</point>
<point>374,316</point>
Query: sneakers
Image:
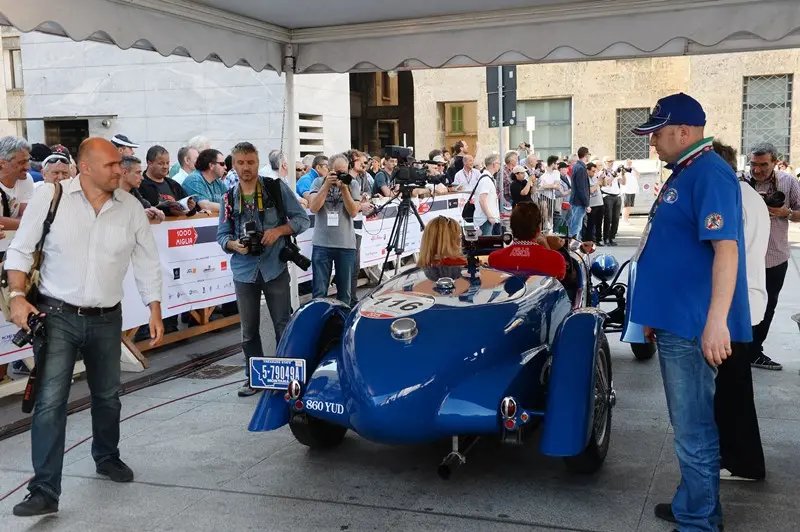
<point>725,474</point>
<point>764,362</point>
<point>36,503</point>
<point>612,243</point>
<point>116,470</point>
<point>664,511</point>
<point>247,391</point>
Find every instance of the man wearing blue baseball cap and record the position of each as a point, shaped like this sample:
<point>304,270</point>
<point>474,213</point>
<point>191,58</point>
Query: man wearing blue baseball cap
<point>690,295</point>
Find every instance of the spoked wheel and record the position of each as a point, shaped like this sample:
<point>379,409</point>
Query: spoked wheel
<point>643,351</point>
<point>593,456</point>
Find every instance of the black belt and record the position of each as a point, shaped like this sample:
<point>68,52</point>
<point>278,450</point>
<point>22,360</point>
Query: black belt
<point>80,311</point>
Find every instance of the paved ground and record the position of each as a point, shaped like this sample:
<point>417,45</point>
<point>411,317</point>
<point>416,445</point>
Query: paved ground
<point>198,469</point>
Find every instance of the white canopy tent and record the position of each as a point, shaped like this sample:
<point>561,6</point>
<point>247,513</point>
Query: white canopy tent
<point>306,36</point>
<point>364,35</point>
<point>303,36</point>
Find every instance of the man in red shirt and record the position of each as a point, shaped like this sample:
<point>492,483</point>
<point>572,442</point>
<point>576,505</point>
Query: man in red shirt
<point>529,252</point>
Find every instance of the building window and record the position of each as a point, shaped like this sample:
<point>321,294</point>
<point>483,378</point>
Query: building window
<point>457,119</point>
<point>14,69</point>
<point>630,146</point>
<point>767,112</point>
<point>386,86</point>
<point>553,135</point>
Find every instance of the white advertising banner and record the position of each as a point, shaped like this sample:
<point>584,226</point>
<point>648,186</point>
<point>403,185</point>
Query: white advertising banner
<point>197,272</point>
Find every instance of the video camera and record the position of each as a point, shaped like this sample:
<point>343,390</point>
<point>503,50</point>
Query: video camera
<point>409,172</point>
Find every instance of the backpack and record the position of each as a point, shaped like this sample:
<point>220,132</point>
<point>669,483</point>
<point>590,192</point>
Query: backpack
<point>273,188</point>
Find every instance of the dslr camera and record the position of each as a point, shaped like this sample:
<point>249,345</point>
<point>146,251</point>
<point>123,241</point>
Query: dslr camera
<point>252,239</point>
<point>344,177</point>
<point>774,199</point>
<point>36,326</point>
<point>291,253</point>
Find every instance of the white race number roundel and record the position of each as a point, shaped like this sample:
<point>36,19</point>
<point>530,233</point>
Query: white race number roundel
<point>396,305</point>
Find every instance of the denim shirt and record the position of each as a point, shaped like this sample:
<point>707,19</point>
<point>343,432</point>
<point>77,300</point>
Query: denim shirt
<point>245,268</point>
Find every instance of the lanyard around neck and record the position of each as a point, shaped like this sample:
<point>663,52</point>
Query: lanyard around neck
<point>259,200</point>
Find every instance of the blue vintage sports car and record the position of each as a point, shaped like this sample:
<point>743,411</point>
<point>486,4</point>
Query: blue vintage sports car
<point>452,353</point>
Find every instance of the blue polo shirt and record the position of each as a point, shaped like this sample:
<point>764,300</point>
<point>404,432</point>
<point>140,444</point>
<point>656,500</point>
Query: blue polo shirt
<point>701,202</point>
<point>303,184</point>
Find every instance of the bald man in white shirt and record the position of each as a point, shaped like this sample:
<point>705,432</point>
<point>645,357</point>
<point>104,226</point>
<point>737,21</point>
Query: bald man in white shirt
<point>97,232</point>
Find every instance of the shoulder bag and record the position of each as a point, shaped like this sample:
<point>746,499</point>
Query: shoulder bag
<point>468,212</point>
<point>32,282</point>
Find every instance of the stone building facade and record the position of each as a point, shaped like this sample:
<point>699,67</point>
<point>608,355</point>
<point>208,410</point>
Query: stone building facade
<point>747,97</point>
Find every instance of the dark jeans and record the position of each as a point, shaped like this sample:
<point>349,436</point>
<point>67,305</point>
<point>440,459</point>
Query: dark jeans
<point>689,387</point>
<point>775,277</point>
<point>99,340</point>
<point>356,270</point>
<point>612,206</point>
<point>735,412</point>
<point>279,302</point>
<point>593,228</point>
<point>323,259</point>
<point>489,229</point>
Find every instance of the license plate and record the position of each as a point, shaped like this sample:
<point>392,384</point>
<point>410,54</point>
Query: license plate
<point>275,373</point>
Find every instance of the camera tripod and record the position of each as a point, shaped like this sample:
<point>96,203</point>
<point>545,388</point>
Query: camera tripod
<point>397,238</point>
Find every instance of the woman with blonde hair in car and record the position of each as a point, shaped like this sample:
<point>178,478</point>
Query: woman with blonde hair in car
<point>441,244</point>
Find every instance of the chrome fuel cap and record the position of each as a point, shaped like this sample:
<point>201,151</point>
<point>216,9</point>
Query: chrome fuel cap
<point>445,285</point>
<point>404,329</point>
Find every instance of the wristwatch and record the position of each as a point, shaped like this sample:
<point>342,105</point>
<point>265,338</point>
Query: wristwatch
<point>16,293</point>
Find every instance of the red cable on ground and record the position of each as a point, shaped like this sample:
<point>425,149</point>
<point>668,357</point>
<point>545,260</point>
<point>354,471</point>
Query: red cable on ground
<point>165,403</point>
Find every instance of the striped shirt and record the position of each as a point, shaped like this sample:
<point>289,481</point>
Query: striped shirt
<point>86,255</point>
<point>778,250</point>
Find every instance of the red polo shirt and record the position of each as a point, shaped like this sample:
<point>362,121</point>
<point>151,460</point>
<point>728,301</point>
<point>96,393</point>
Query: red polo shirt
<point>529,257</point>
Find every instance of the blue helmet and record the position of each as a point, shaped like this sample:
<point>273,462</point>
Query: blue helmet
<point>605,267</point>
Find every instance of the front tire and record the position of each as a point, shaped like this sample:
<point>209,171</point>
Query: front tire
<point>591,459</point>
<point>316,433</point>
<point>643,351</point>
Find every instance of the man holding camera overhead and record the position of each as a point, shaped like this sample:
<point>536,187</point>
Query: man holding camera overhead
<point>257,219</point>
<point>335,202</point>
<point>781,192</point>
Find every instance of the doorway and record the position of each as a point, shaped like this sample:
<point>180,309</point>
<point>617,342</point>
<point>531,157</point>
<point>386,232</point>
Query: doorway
<point>70,133</point>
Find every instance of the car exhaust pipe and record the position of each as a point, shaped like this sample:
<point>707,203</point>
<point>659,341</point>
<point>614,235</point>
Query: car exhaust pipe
<point>451,462</point>
<point>456,458</point>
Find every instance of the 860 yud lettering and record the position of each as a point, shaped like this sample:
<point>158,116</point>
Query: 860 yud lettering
<point>324,406</point>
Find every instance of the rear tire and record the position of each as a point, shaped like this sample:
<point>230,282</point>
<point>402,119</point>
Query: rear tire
<point>643,351</point>
<point>593,456</point>
<point>316,433</point>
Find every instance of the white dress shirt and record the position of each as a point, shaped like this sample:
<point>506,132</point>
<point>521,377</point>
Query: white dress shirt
<point>756,240</point>
<point>461,179</point>
<point>86,255</point>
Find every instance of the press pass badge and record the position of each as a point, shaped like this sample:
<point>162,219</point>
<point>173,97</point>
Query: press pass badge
<point>333,219</point>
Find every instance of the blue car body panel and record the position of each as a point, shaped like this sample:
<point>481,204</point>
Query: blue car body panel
<point>568,416</point>
<point>492,334</point>
<point>300,339</point>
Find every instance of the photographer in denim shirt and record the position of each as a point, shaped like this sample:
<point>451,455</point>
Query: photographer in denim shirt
<point>257,216</point>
